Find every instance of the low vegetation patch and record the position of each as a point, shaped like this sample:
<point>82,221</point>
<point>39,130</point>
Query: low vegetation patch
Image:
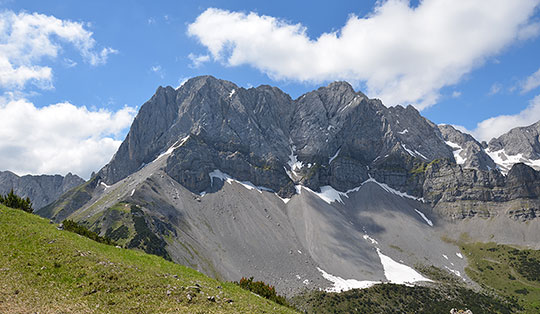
<point>262,289</point>
<point>72,226</point>
<point>392,298</point>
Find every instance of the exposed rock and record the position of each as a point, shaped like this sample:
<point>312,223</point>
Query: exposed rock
<point>41,190</point>
<point>467,151</point>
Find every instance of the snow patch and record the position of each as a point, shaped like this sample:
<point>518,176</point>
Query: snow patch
<point>132,192</point>
<point>104,185</point>
<point>293,161</point>
<point>367,237</point>
<point>429,222</point>
<point>399,273</point>
<point>404,131</point>
<point>455,272</point>
<point>218,174</point>
<point>285,200</point>
<point>340,284</point>
<point>457,151</point>
<point>328,194</point>
<point>232,93</point>
<point>505,161</point>
<point>459,255</point>
<point>334,157</point>
<point>446,257</point>
<point>172,148</point>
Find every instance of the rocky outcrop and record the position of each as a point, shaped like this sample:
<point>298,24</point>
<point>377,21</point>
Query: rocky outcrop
<point>467,151</point>
<point>41,190</point>
<point>522,140</point>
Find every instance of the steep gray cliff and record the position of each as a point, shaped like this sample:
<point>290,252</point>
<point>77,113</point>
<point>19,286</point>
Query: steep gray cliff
<point>331,136</point>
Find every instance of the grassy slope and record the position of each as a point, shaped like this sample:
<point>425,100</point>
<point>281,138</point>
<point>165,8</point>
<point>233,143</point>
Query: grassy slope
<point>507,271</point>
<point>46,270</point>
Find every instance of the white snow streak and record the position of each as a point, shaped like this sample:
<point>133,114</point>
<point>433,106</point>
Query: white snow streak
<point>459,255</point>
<point>227,178</point>
<point>429,222</point>
<point>404,131</point>
<point>172,148</point>
<point>330,195</point>
<point>367,237</point>
<point>334,157</point>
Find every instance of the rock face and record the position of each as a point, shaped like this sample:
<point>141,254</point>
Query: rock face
<point>523,140</point>
<point>518,145</point>
<point>330,136</point>
<point>42,190</point>
<point>467,151</point>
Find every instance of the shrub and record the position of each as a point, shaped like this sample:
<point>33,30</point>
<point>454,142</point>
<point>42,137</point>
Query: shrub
<point>74,227</point>
<point>14,201</point>
<point>262,289</point>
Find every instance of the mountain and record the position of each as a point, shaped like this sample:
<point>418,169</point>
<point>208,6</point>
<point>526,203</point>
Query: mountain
<point>518,145</point>
<point>42,189</point>
<point>332,190</point>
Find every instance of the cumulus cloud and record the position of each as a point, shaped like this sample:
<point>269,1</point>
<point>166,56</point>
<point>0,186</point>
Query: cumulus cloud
<point>402,54</point>
<point>496,126</point>
<point>59,138</point>
<point>26,39</point>
<point>531,82</point>
<point>198,60</point>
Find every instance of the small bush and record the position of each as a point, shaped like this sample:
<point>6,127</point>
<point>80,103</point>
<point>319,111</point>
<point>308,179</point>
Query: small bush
<point>14,201</point>
<point>74,227</point>
<point>262,289</point>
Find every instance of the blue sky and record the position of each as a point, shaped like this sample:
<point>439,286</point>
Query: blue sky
<point>463,63</point>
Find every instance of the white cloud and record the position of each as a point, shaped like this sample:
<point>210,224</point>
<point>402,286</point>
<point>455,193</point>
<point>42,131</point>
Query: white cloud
<point>59,138</point>
<point>495,89</point>
<point>198,60</point>
<point>531,82</point>
<point>402,54</point>
<point>496,126</point>
<point>456,94</point>
<point>26,39</point>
